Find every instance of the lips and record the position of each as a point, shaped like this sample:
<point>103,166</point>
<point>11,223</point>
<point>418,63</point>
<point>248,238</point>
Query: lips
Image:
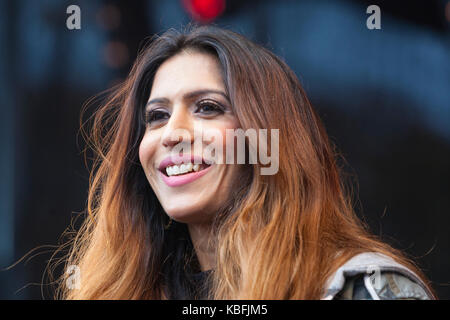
<point>184,178</point>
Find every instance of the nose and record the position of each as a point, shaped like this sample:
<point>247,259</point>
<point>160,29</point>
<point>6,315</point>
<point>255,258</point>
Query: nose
<point>179,128</point>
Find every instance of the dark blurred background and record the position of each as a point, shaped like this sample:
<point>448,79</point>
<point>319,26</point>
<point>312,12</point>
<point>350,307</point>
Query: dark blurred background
<point>384,96</point>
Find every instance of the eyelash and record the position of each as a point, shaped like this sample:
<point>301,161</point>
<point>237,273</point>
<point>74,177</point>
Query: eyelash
<point>216,107</point>
<point>150,116</point>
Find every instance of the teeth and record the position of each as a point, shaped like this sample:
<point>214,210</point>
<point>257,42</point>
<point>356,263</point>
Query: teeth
<point>182,169</point>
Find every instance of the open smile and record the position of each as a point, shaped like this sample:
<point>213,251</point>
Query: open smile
<point>188,169</point>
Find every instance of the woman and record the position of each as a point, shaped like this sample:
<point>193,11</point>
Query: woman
<point>223,230</point>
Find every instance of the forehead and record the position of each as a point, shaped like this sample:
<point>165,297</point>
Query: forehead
<point>187,71</point>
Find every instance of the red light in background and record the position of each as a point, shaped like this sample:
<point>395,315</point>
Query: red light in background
<point>447,11</point>
<point>204,10</point>
<point>115,54</point>
<point>108,17</point>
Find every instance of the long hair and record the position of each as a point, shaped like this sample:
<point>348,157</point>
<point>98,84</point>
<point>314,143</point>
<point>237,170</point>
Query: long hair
<point>282,236</point>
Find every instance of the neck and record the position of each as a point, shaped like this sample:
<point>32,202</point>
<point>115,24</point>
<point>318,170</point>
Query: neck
<point>203,244</point>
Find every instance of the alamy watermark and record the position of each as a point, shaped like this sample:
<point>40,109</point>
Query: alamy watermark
<point>374,273</point>
<point>374,20</point>
<point>235,148</point>
<point>74,279</point>
<point>73,21</point>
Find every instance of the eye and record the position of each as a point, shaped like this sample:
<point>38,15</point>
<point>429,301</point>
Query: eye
<point>209,108</point>
<point>154,116</point>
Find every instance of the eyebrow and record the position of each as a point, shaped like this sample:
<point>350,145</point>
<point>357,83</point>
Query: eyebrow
<point>190,95</point>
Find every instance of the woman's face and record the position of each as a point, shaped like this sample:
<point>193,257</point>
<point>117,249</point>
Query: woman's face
<point>188,95</point>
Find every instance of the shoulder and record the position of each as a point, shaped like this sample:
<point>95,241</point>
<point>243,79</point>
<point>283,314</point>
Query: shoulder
<point>388,286</point>
<point>375,276</point>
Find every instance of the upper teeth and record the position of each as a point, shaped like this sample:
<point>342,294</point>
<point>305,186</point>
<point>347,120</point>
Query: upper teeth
<point>181,169</point>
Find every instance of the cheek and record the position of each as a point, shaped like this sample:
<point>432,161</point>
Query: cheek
<point>218,130</point>
<point>147,151</point>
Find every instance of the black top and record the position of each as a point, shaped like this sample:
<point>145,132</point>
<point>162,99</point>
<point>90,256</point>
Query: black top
<point>201,283</point>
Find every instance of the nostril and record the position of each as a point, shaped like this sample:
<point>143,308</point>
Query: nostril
<point>170,141</point>
<point>175,134</point>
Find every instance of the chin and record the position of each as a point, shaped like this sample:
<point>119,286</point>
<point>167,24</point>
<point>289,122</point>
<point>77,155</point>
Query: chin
<point>191,214</point>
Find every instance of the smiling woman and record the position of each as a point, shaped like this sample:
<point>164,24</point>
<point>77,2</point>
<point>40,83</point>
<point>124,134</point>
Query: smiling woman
<point>188,93</point>
<point>166,222</point>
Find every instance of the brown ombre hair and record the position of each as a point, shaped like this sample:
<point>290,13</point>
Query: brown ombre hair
<point>280,237</point>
